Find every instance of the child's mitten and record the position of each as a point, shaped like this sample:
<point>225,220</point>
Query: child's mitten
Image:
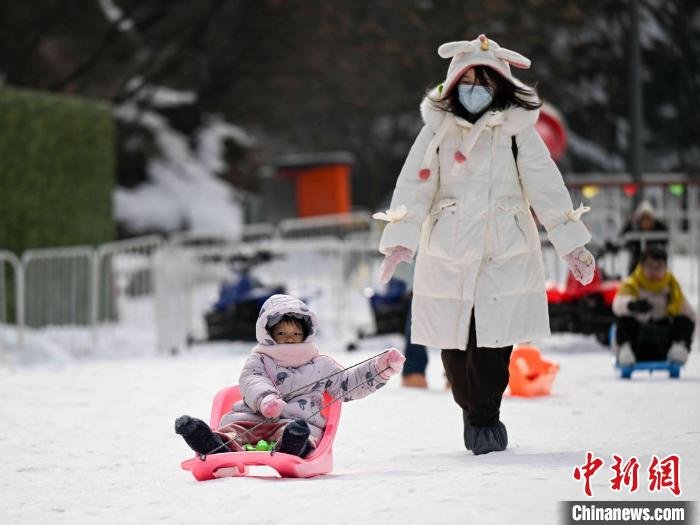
<point>271,405</point>
<point>389,363</point>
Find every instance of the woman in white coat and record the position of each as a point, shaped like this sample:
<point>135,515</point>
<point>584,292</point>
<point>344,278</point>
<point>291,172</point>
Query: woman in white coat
<point>462,203</point>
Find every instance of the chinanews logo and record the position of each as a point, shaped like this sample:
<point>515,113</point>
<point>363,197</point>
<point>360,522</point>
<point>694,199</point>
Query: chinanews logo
<point>658,476</point>
<point>661,474</point>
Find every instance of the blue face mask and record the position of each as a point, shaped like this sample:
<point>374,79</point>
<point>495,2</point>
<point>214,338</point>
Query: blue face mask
<point>474,98</point>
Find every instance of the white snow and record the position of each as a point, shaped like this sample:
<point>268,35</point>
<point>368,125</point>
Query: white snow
<point>210,140</point>
<point>115,14</point>
<point>184,189</point>
<point>158,96</point>
<point>91,441</point>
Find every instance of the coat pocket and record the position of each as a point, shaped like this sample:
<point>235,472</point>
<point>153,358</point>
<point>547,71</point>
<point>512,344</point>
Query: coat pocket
<point>443,229</point>
<point>513,223</point>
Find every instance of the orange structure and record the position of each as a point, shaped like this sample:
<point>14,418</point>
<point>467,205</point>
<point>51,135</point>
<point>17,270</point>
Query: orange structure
<point>321,182</point>
<point>323,190</point>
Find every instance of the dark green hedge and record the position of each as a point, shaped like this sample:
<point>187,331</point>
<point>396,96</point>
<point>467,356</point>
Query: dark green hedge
<point>57,170</point>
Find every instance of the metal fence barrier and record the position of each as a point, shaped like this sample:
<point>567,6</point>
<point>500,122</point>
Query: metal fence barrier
<point>123,286</point>
<point>337,226</point>
<point>165,288</point>
<point>258,232</point>
<point>249,233</point>
<point>58,294</point>
<point>11,298</point>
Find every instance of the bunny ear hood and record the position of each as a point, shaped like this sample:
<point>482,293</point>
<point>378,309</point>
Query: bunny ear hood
<point>480,51</point>
<point>274,308</point>
<point>484,52</point>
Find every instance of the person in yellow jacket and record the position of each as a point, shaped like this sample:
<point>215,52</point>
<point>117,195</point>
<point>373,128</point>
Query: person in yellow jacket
<point>655,322</point>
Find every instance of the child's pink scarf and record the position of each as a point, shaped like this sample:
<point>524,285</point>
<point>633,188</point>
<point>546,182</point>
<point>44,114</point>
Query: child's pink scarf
<point>289,355</point>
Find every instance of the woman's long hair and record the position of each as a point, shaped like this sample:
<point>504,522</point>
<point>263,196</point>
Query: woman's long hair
<point>505,94</point>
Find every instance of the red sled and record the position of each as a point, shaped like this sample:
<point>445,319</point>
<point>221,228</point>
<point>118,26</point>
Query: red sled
<point>320,461</point>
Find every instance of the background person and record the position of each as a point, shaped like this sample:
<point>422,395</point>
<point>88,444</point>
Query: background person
<point>655,322</point>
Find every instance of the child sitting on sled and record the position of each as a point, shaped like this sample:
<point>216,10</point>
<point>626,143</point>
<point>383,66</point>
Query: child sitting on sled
<point>654,320</point>
<point>282,385</point>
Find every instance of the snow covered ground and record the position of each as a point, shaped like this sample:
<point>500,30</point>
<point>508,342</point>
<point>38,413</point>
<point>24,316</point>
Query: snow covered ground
<point>91,440</point>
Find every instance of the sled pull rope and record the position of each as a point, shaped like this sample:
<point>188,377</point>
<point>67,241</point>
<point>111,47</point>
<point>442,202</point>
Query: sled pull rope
<point>335,400</point>
<point>290,394</point>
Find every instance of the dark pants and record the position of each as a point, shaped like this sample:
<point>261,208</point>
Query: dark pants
<point>416,355</point>
<point>651,341</point>
<point>479,376</point>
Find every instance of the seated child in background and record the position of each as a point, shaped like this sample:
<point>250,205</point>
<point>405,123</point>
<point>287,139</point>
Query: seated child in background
<point>282,385</point>
<point>654,320</point>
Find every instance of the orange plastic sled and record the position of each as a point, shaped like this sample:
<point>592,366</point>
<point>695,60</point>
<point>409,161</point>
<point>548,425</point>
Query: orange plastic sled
<point>320,461</point>
<point>530,375</point>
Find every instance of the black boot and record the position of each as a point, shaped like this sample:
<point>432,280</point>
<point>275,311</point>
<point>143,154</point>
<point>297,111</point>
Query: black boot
<point>481,440</point>
<point>199,436</point>
<point>295,439</point>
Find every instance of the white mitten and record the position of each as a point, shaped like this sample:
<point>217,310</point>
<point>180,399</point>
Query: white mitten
<point>397,255</point>
<point>582,264</point>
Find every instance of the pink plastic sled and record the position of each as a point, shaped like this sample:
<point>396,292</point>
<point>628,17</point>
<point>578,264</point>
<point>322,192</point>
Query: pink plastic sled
<point>320,461</point>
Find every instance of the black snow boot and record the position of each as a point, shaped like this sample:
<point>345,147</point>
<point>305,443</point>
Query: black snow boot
<point>481,440</point>
<point>199,436</point>
<point>295,439</point>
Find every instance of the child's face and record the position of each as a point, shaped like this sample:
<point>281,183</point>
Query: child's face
<point>646,222</point>
<point>287,333</point>
<point>654,270</point>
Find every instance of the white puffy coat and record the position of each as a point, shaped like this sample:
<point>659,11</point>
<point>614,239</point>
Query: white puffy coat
<point>469,220</point>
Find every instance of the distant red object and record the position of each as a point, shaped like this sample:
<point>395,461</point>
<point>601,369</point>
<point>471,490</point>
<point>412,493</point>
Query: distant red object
<point>583,309</point>
<point>575,290</point>
<point>630,189</point>
<point>552,129</point>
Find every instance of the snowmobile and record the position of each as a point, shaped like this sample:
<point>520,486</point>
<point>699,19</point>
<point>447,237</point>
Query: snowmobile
<point>389,309</point>
<point>234,314</point>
